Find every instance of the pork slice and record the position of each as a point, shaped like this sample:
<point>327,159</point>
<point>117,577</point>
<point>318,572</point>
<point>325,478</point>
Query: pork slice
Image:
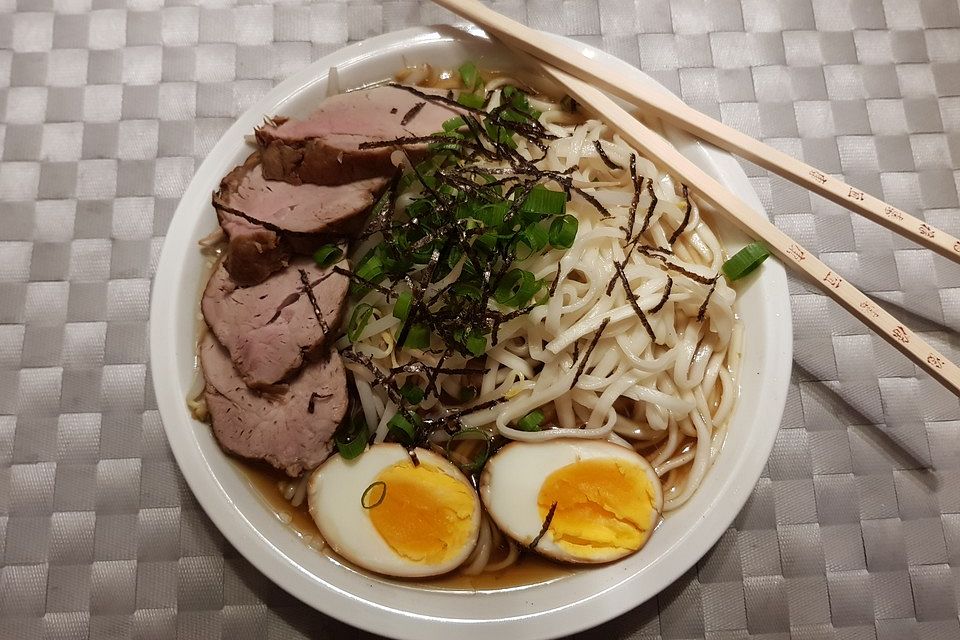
<point>290,428</point>
<point>253,251</point>
<point>266,221</point>
<point>305,209</point>
<point>324,148</point>
<point>269,329</point>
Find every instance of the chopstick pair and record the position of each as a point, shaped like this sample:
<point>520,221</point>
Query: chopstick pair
<point>571,69</point>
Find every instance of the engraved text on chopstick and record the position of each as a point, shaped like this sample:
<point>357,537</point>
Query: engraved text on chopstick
<point>869,308</point>
<point>833,279</point>
<point>893,213</point>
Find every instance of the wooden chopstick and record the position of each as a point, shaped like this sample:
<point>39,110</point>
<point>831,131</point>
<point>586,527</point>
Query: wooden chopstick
<point>757,226</point>
<point>675,112</point>
<point>733,208</point>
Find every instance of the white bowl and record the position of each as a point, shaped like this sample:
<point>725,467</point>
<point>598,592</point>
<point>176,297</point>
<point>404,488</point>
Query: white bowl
<point>564,606</point>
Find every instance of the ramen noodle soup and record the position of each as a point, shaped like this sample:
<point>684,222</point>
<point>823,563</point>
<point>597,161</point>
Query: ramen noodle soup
<point>496,342</point>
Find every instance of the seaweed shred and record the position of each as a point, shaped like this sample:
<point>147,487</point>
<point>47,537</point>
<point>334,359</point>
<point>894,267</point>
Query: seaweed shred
<point>653,205</point>
<point>543,529</point>
<point>603,156</point>
<point>666,296</point>
<point>632,298</point>
<point>686,216</point>
<point>701,314</point>
<point>308,289</point>
<point>586,356</point>
<point>410,115</point>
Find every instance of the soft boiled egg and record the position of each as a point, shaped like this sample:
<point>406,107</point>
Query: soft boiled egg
<point>608,498</point>
<point>400,513</point>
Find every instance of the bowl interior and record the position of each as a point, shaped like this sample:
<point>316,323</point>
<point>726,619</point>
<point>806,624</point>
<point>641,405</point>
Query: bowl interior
<point>390,608</point>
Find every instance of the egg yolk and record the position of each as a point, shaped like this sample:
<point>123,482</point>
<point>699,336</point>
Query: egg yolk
<point>603,504</point>
<point>425,515</point>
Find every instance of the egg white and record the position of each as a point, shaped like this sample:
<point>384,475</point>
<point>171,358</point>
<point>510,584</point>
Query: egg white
<point>511,482</point>
<point>334,494</point>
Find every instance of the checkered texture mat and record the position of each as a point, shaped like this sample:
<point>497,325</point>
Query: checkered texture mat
<point>107,110</point>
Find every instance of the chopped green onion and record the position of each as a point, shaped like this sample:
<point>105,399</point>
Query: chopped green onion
<point>412,393</point>
<point>401,308</point>
<point>374,495</point>
<point>351,438</point>
<point>535,237</point>
<point>501,135</point>
<point>453,124</point>
<point>466,290</point>
<point>492,215</point>
<point>402,429</point>
<point>370,268</point>
<point>531,421</point>
<point>358,320</point>
<point>469,75</point>
<point>546,201</point>
<point>745,261</point>
<point>327,255</point>
<point>516,288</point>
<point>471,100</point>
<point>418,337</point>
<point>563,231</point>
<point>476,343</point>
<point>476,455</point>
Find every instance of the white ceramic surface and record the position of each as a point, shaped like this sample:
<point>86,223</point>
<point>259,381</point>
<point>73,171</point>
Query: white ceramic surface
<point>393,609</point>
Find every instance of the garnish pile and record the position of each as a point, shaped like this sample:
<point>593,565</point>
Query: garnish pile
<point>449,261</point>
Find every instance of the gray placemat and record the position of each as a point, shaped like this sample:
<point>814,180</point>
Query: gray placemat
<point>854,529</point>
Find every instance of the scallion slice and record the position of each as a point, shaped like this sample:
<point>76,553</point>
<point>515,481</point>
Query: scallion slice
<point>477,444</point>
<point>469,75</point>
<point>327,255</point>
<point>351,437</point>
<point>453,124</point>
<point>535,237</point>
<point>516,288</point>
<point>476,343</point>
<point>370,268</point>
<point>745,261</point>
<point>546,201</point>
<point>412,393</point>
<point>358,320</point>
<point>402,429</point>
<point>374,495</point>
<point>563,231</point>
<point>401,308</point>
<point>471,100</point>
<point>531,421</point>
<point>418,337</point>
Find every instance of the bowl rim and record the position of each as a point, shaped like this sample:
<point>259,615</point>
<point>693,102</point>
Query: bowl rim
<point>369,614</point>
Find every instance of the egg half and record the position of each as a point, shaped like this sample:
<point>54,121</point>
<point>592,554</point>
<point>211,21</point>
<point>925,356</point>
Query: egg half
<point>608,498</point>
<point>387,514</point>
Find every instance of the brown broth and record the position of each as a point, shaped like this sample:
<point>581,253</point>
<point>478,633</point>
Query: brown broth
<point>530,569</point>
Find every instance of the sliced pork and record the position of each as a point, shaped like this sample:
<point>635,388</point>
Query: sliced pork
<point>291,427</point>
<point>253,252</point>
<point>269,329</point>
<point>324,148</point>
<point>266,220</point>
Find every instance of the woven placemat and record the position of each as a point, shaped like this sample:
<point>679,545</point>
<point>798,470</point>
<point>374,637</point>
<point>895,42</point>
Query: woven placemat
<point>107,110</point>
